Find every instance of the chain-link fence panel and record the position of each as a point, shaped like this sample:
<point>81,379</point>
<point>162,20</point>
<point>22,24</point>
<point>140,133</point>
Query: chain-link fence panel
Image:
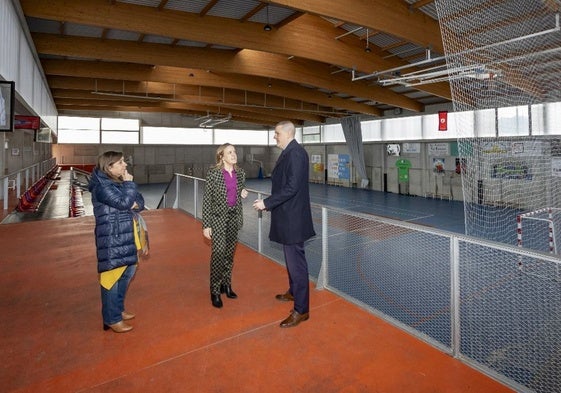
<point>495,306</point>
<point>401,273</point>
<point>510,314</point>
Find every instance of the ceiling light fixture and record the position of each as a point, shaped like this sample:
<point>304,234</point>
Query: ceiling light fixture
<point>214,120</point>
<point>367,49</point>
<point>267,27</point>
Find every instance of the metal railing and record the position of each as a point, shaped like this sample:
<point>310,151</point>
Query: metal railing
<point>494,306</point>
<point>24,178</point>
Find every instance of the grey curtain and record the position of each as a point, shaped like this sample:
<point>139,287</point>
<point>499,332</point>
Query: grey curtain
<point>353,137</point>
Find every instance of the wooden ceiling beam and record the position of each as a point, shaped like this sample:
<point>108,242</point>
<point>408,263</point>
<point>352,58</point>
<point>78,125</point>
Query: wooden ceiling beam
<point>308,37</point>
<point>197,77</point>
<point>421,3</point>
<point>114,90</point>
<point>262,105</point>
<point>390,16</point>
<point>247,117</point>
<point>178,107</point>
<point>246,62</point>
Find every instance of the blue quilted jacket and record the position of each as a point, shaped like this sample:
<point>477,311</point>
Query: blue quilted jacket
<point>114,237</point>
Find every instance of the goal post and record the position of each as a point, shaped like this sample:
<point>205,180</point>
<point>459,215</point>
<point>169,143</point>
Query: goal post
<point>539,229</point>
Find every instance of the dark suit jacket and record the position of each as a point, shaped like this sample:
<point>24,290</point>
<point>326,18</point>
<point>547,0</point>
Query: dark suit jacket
<point>289,203</point>
<point>215,203</point>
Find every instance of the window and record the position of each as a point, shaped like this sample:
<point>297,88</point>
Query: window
<point>371,130</point>
<point>122,137</point>
<point>311,134</point>
<point>176,136</point>
<point>502,122</point>
<point>538,112</point>
<point>553,118</point>
<point>484,123</point>
<point>78,129</point>
<point>120,124</point>
<point>513,121</point>
<point>333,133</point>
<point>125,131</point>
<point>78,136</point>
<point>78,123</point>
<point>456,126</point>
<point>402,128</point>
<point>240,137</point>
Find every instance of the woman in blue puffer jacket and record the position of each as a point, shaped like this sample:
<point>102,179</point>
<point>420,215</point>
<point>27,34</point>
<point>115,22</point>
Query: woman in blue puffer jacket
<point>116,200</point>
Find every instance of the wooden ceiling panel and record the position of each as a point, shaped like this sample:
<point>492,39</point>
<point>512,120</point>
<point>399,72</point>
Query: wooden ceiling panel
<point>219,58</point>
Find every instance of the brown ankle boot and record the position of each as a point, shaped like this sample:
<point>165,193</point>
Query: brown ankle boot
<point>127,316</point>
<point>119,327</point>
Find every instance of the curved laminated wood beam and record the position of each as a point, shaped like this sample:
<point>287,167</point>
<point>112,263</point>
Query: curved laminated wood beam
<point>196,77</point>
<point>307,37</point>
<point>190,101</point>
<point>390,16</point>
<point>244,62</point>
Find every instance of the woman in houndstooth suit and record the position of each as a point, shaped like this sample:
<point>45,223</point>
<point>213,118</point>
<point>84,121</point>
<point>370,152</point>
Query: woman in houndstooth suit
<point>223,218</point>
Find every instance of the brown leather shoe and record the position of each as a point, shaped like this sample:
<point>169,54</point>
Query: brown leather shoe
<point>294,319</point>
<point>127,316</point>
<point>119,327</point>
<point>285,297</point>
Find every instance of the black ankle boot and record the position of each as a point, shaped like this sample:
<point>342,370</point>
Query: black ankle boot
<point>227,289</point>
<point>216,301</point>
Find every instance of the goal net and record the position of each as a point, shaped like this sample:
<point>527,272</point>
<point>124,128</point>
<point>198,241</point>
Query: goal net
<point>540,230</point>
<point>504,65</point>
<point>503,61</point>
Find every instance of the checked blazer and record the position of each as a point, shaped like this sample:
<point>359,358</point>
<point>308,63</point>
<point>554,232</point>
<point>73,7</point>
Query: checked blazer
<point>215,204</point>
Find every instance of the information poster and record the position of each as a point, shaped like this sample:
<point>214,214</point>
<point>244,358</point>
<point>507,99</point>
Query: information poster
<point>317,165</point>
<point>339,166</point>
<point>409,147</point>
<point>439,149</point>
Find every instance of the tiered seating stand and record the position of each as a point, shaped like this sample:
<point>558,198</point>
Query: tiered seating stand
<point>31,199</point>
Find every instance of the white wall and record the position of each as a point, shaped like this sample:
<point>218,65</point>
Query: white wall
<point>18,63</point>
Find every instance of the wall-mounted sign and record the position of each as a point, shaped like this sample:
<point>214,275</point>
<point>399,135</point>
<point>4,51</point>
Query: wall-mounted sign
<point>443,121</point>
<point>339,166</point>
<point>393,149</point>
<point>7,101</point>
<point>411,147</point>
<point>439,149</point>
<point>27,122</point>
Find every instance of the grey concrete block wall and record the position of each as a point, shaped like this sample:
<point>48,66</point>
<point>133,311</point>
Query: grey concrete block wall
<point>139,172</point>
<point>158,163</point>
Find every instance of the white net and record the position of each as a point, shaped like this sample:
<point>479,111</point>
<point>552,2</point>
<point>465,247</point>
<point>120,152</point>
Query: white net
<point>540,230</point>
<point>504,61</point>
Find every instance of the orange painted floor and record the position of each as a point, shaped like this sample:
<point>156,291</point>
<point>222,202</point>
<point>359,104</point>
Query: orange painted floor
<point>12,203</point>
<point>52,338</point>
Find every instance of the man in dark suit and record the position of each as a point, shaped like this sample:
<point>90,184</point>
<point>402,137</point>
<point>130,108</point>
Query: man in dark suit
<point>291,218</point>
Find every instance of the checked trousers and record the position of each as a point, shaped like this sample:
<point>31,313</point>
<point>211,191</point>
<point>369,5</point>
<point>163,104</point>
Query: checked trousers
<point>224,241</point>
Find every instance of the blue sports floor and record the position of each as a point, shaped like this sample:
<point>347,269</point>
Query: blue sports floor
<point>437,213</point>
